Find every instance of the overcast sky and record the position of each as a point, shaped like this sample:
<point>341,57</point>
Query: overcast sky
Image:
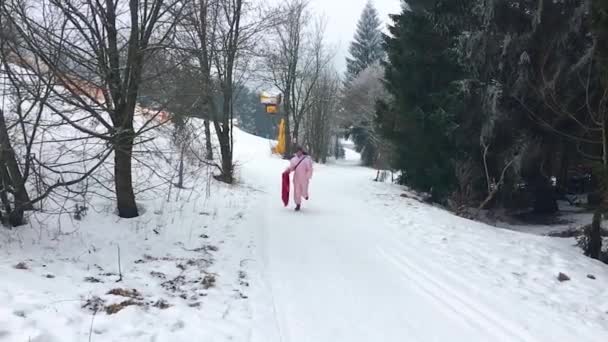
<point>342,17</point>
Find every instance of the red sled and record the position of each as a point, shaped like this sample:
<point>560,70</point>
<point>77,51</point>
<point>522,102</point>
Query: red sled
<point>285,189</point>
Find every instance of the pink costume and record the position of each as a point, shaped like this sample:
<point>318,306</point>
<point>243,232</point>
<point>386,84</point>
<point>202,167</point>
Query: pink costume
<point>301,176</point>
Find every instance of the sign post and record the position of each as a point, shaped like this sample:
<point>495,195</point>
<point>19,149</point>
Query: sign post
<point>271,103</point>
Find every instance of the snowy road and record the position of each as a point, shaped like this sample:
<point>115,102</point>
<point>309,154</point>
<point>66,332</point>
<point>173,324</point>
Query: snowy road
<point>340,271</point>
<point>338,276</point>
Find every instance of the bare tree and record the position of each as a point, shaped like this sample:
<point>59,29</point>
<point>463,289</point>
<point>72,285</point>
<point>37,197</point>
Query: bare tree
<point>29,170</point>
<point>358,112</point>
<point>321,117</point>
<point>283,57</point>
<point>12,179</point>
<point>221,36</point>
<point>295,58</point>
<point>23,97</point>
<point>96,51</point>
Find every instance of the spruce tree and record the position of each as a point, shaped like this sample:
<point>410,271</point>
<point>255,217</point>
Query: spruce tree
<point>421,119</point>
<point>366,48</point>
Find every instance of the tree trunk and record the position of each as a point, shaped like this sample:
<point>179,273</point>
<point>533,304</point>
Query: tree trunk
<point>6,203</point>
<point>288,147</point>
<point>223,136</point>
<point>16,214</point>
<point>180,176</point>
<point>14,220</point>
<point>288,140</point>
<point>605,140</point>
<point>564,162</point>
<point>16,217</point>
<point>223,131</point>
<point>127,208</point>
<point>7,155</point>
<point>296,131</point>
<point>227,166</point>
<point>3,193</point>
<point>485,166</point>
<point>594,242</point>
<point>208,144</point>
<point>226,154</point>
<point>593,249</point>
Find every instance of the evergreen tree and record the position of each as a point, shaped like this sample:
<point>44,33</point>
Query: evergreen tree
<point>252,115</point>
<point>366,51</point>
<point>366,48</point>
<point>421,75</point>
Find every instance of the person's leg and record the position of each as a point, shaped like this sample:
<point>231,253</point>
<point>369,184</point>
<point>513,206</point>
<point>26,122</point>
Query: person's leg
<point>305,189</point>
<point>297,193</point>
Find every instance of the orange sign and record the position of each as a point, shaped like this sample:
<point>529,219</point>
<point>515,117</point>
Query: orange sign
<point>272,109</point>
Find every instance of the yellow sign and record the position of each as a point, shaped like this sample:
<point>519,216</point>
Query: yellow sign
<point>272,109</point>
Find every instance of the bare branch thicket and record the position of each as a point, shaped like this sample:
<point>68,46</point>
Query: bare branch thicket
<point>316,64</point>
<point>96,51</point>
<point>221,36</point>
<point>359,98</point>
<point>178,92</point>
<point>24,133</point>
<point>320,120</point>
<point>358,111</point>
<point>295,58</point>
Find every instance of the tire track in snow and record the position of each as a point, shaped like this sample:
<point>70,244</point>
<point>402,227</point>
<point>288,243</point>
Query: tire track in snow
<point>557,329</point>
<point>475,313</point>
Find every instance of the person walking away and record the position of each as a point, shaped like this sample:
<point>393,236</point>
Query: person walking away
<point>301,166</point>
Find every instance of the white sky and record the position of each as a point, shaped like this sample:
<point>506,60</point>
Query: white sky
<point>342,17</point>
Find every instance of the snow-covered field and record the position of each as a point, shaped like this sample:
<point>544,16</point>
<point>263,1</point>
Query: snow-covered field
<point>229,263</point>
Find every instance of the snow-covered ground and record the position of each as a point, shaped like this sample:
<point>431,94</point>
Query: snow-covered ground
<point>362,263</point>
<point>229,263</point>
<point>565,220</point>
<point>183,263</point>
<point>181,254</point>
